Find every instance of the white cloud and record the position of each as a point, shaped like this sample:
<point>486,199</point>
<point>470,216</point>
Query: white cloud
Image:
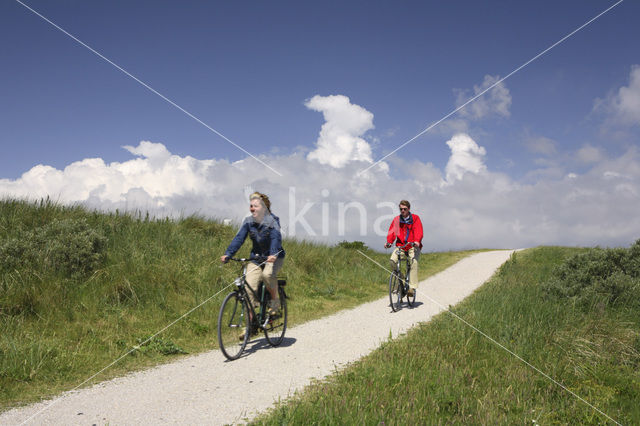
<point>622,107</point>
<point>155,153</point>
<point>158,173</point>
<point>495,102</point>
<point>340,141</point>
<point>466,156</point>
<point>475,208</point>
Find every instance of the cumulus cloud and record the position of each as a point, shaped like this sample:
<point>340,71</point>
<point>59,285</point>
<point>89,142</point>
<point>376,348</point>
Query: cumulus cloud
<point>155,153</point>
<point>473,207</point>
<point>495,102</point>
<point>158,173</point>
<point>623,106</point>
<point>466,156</point>
<point>340,141</point>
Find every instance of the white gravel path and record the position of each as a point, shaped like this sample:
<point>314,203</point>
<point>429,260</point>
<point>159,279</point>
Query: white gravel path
<point>205,389</point>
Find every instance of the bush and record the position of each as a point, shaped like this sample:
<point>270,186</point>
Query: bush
<point>354,245</point>
<point>608,276</point>
<point>66,246</point>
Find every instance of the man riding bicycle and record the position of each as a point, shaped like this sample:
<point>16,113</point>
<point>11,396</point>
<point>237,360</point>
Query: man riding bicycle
<point>406,231</point>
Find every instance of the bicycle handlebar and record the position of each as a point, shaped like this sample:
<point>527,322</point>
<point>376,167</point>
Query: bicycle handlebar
<point>403,249</point>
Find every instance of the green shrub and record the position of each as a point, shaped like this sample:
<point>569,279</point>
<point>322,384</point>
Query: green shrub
<point>599,276</point>
<point>354,245</point>
<point>66,246</point>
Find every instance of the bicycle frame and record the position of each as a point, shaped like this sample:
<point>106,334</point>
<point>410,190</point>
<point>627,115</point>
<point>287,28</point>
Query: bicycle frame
<point>403,255</point>
<point>243,288</point>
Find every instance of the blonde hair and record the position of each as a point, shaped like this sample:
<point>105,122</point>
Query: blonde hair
<point>261,197</point>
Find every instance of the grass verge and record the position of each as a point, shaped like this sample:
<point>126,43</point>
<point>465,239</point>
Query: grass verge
<point>444,372</point>
<point>79,289</point>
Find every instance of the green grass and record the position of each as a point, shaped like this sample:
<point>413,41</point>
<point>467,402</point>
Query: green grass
<point>79,289</point>
<point>444,372</point>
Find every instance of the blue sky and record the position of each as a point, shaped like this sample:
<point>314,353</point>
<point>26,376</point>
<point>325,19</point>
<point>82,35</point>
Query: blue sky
<point>249,70</point>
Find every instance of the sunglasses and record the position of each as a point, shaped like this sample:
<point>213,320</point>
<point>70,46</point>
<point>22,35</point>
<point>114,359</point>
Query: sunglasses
<point>404,208</point>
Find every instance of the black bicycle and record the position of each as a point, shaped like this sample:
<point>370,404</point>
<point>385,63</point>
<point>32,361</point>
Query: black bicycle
<point>238,320</point>
<point>399,282</point>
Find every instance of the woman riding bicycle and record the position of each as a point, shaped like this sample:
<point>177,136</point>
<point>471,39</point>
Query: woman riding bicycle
<point>267,254</point>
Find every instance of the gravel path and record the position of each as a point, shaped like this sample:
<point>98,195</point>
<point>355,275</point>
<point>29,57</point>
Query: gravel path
<point>206,389</point>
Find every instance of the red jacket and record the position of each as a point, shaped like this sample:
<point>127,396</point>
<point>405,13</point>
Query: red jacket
<point>398,232</point>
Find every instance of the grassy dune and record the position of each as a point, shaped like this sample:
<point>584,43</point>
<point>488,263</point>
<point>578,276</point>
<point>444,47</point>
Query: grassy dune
<point>79,289</point>
<point>577,320</point>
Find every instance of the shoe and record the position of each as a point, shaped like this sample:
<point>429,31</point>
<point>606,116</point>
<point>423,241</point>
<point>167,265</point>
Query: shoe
<point>274,308</point>
<point>411,292</point>
<point>274,313</point>
<point>241,335</point>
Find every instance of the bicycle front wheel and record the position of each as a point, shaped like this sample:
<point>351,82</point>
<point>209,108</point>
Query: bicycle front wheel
<point>275,327</point>
<point>233,327</point>
<point>395,292</point>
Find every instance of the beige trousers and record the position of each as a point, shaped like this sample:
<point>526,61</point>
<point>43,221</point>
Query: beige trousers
<point>414,255</point>
<point>269,275</point>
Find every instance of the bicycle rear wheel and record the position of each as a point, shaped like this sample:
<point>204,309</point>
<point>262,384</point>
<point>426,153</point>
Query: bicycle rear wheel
<point>232,322</point>
<point>395,292</point>
<point>275,328</point>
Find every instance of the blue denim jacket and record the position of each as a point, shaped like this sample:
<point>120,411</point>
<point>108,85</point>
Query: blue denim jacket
<point>266,237</point>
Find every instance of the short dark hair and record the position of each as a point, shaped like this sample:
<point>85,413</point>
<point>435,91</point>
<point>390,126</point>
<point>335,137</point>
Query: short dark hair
<point>405,203</point>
